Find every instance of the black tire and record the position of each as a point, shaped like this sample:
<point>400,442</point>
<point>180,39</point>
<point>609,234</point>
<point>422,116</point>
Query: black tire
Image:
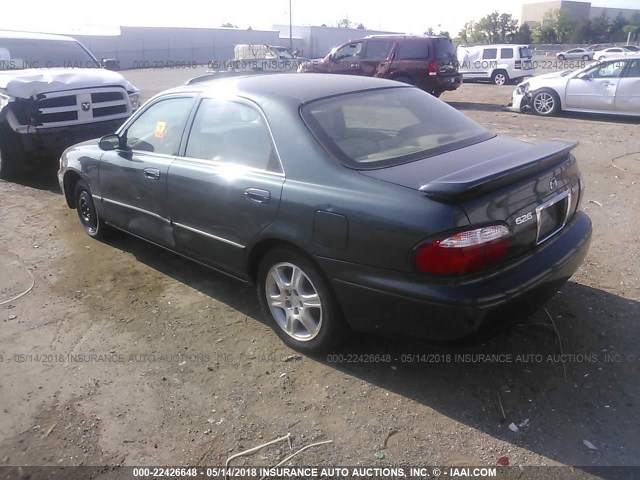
<point>500,77</point>
<point>307,328</point>
<point>93,225</point>
<point>545,102</point>
<point>585,58</point>
<point>436,93</point>
<point>561,57</point>
<point>404,79</point>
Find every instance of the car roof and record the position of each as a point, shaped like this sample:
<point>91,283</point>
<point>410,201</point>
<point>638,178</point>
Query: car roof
<point>34,36</point>
<point>291,88</point>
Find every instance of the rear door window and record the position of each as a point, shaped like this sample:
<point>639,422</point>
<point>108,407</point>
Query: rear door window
<point>525,52</point>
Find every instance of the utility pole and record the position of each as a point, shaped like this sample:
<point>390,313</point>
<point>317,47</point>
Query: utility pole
<point>290,29</point>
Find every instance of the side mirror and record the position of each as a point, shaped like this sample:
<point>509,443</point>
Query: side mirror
<point>109,142</point>
<point>585,76</point>
<point>110,64</point>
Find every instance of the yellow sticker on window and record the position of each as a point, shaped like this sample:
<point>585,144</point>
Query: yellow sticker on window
<point>160,128</point>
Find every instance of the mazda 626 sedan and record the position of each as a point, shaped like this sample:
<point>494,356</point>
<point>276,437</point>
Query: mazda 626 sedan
<point>352,203</point>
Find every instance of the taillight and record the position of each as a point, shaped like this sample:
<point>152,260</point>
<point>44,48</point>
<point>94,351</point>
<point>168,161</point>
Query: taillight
<point>463,252</point>
<point>518,64</point>
<point>433,68</point>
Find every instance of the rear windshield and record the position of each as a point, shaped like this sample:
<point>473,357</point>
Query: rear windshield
<point>378,128</point>
<point>525,52</point>
<point>19,53</point>
<point>445,49</point>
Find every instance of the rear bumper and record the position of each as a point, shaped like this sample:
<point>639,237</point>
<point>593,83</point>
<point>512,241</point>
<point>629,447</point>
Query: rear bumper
<point>440,82</point>
<point>391,302</point>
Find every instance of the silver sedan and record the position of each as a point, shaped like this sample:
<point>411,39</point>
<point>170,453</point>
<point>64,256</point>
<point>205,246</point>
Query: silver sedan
<point>611,86</point>
<point>575,54</point>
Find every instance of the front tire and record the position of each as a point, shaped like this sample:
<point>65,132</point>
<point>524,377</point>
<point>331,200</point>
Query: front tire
<point>93,225</point>
<point>561,57</point>
<point>500,77</point>
<point>545,102</point>
<point>585,58</point>
<point>299,302</point>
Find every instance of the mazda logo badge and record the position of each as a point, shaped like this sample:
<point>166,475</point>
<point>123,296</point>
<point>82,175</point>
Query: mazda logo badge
<point>553,183</point>
<point>86,106</point>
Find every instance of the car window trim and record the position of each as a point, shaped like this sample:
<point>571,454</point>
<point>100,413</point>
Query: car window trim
<point>242,101</point>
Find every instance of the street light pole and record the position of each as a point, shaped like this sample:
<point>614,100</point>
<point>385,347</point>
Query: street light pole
<point>290,29</point>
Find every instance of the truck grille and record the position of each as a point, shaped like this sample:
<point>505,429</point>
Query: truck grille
<point>79,107</point>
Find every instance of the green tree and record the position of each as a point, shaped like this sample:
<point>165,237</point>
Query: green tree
<point>344,23</point>
<point>228,25</point>
<point>524,34</point>
<point>616,29</point>
<point>633,27</point>
<point>361,27</point>
<point>507,27</point>
<point>600,28</point>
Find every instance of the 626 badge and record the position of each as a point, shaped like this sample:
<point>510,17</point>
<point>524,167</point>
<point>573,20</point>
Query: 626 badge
<point>524,218</point>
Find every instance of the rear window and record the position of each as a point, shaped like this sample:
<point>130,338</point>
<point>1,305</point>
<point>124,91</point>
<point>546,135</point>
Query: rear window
<point>525,52</point>
<point>378,128</point>
<point>445,49</point>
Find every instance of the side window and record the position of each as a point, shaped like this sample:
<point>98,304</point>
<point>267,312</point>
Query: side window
<point>506,53</point>
<point>490,54</point>
<point>159,128</point>
<point>231,132</point>
<point>607,70</point>
<point>348,51</point>
<point>378,49</point>
<point>633,70</point>
<point>413,51</point>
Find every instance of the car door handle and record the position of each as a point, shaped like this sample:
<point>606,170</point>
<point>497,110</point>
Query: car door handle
<point>608,84</point>
<point>152,173</point>
<point>257,195</point>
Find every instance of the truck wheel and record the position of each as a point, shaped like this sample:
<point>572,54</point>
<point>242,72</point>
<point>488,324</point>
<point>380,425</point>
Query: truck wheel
<point>500,77</point>
<point>545,102</point>
<point>299,302</point>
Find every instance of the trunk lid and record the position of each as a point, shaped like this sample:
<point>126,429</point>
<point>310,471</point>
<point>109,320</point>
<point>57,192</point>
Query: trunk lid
<point>533,188</point>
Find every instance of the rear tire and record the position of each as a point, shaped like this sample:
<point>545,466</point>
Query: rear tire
<point>500,77</point>
<point>93,225</point>
<point>545,102</point>
<point>299,302</point>
<point>585,58</point>
<point>561,57</point>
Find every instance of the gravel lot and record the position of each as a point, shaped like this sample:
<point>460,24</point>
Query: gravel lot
<point>125,354</point>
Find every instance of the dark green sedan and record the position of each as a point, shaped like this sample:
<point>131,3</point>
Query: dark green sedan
<point>351,203</point>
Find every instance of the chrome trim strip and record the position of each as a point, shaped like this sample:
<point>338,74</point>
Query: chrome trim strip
<point>200,232</point>
<point>140,210</point>
<point>548,203</point>
<point>96,197</point>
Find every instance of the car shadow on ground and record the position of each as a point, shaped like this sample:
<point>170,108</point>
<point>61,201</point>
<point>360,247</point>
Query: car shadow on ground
<point>560,382</point>
<point>41,178</point>
<point>484,107</point>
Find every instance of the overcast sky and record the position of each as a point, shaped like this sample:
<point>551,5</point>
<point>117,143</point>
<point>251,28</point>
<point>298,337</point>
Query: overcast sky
<point>65,16</point>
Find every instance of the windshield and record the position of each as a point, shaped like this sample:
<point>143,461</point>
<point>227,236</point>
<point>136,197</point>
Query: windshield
<point>18,54</point>
<point>390,126</point>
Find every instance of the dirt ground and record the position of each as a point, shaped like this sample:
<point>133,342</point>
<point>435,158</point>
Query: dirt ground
<point>124,354</point>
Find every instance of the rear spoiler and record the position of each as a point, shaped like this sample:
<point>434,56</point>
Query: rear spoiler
<point>497,172</point>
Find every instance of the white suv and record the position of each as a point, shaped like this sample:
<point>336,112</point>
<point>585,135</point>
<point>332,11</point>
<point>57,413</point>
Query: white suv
<point>54,93</point>
<point>499,63</point>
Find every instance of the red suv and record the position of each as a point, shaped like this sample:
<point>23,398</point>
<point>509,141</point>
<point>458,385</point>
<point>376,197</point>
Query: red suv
<point>427,62</point>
